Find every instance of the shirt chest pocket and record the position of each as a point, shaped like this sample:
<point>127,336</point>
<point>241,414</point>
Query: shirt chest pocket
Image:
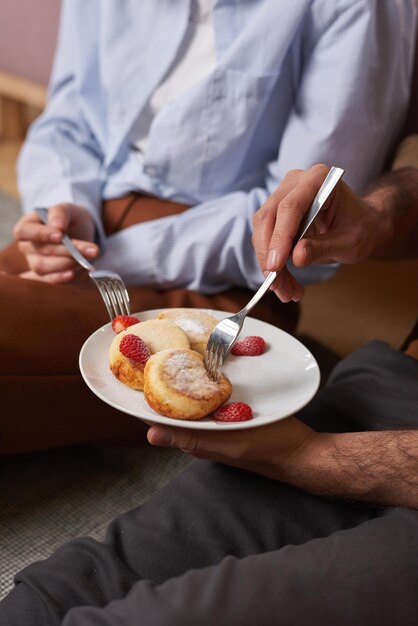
<point>201,142</point>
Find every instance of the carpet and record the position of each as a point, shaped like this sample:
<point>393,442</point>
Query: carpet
<point>48,498</point>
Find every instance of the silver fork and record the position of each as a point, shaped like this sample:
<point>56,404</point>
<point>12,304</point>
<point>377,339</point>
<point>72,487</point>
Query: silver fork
<point>111,286</point>
<point>227,330</point>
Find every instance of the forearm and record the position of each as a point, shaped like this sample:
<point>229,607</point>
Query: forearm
<point>206,248</point>
<point>379,467</point>
<point>394,200</point>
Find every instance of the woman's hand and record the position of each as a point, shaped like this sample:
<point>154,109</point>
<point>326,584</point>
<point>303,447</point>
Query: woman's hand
<point>346,230</point>
<point>273,450</point>
<point>48,259</point>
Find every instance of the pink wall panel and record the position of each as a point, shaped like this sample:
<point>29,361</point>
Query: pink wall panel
<point>28,30</point>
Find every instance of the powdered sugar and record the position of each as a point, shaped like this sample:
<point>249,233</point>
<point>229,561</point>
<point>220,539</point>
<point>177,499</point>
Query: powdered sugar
<point>192,326</point>
<point>187,374</point>
<point>179,360</point>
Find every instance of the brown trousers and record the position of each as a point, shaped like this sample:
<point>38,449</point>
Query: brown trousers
<point>44,402</point>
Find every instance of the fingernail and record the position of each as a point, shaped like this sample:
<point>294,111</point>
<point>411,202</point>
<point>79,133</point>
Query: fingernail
<point>296,298</point>
<point>282,295</point>
<point>90,250</point>
<point>162,437</point>
<point>55,237</point>
<point>55,223</point>
<point>272,260</point>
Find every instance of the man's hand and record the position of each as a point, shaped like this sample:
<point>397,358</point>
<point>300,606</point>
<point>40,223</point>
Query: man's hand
<point>379,466</point>
<point>347,229</point>
<point>268,450</point>
<point>48,259</point>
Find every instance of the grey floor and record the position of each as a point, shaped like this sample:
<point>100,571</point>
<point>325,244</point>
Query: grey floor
<point>50,497</point>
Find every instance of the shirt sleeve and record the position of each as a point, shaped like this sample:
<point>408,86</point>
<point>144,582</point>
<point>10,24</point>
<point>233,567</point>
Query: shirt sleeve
<point>61,160</point>
<point>353,90</point>
<point>352,93</point>
<point>207,248</point>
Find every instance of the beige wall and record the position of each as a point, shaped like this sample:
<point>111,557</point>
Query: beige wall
<point>28,31</point>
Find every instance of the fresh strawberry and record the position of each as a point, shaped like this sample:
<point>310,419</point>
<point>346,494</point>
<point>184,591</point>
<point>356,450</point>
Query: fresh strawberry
<point>249,346</point>
<point>134,349</point>
<point>233,412</point>
<point>122,322</point>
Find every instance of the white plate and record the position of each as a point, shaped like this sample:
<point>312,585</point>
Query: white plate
<point>275,384</point>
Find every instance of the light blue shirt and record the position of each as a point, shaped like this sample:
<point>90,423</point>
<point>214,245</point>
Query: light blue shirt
<point>296,82</point>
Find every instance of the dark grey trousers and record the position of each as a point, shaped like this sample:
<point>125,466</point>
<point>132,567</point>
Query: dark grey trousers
<point>220,546</point>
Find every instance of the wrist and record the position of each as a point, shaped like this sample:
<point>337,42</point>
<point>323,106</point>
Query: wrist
<point>297,463</point>
<point>393,204</point>
<point>382,226</point>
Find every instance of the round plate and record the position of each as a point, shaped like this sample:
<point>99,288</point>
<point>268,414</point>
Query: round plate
<point>275,384</point>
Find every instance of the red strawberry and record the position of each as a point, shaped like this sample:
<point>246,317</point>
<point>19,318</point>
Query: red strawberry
<point>134,349</point>
<point>121,322</point>
<point>233,412</point>
<point>249,346</point>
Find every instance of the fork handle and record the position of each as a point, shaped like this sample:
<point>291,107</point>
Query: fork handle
<point>66,241</point>
<point>321,197</point>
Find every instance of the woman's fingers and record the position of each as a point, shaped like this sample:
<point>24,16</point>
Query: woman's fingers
<point>30,228</point>
<point>55,278</point>
<point>62,218</point>
<point>87,248</point>
<point>43,265</point>
<point>59,216</point>
<point>48,259</point>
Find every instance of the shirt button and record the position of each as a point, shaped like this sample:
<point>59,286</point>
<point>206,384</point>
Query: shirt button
<point>151,171</point>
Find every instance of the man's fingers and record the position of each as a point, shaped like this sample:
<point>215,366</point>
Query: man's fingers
<point>197,443</point>
<point>290,212</point>
<point>175,438</point>
<point>286,287</point>
<point>263,222</point>
<point>308,251</point>
<point>265,218</point>
<point>326,248</point>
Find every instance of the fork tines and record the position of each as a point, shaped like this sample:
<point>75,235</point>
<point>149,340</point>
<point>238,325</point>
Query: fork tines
<point>113,292</point>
